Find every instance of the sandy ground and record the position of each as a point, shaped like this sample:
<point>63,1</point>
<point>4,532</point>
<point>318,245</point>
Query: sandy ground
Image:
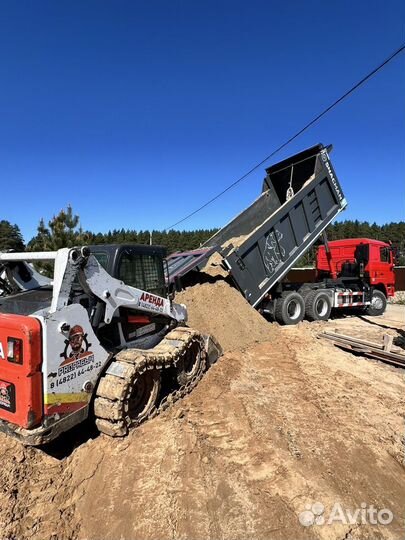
<point>399,298</point>
<point>286,421</point>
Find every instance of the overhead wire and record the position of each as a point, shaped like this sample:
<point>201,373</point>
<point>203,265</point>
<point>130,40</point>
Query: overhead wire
<point>293,137</point>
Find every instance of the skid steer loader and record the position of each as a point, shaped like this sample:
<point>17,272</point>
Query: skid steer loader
<point>102,337</point>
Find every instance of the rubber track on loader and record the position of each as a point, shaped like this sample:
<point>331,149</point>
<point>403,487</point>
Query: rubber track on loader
<point>115,385</point>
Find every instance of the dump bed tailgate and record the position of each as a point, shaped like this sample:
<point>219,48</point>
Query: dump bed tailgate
<point>180,264</point>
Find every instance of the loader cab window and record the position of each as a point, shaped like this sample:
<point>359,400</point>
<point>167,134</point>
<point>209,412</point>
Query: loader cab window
<point>142,271</point>
<point>102,258</point>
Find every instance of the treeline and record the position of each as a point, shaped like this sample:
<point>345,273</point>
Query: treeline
<point>64,230</point>
<point>390,232</point>
<point>172,240</point>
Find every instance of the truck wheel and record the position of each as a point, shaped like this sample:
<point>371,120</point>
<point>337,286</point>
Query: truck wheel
<point>290,308</point>
<point>378,304</point>
<point>318,306</point>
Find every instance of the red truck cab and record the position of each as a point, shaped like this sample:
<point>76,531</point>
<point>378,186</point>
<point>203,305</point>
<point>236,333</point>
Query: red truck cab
<point>371,260</point>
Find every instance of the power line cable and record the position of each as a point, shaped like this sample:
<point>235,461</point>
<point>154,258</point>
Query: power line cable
<point>307,126</point>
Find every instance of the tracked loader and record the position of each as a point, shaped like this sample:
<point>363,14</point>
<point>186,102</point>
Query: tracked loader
<point>102,338</point>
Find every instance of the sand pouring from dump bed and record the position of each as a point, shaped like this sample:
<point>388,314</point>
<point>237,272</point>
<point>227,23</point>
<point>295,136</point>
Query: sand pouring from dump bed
<point>220,310</point>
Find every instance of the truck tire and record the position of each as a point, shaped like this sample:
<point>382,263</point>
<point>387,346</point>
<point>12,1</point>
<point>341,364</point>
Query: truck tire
<point>378,304</point>
<point>318,306</point>
<point>289,308</point>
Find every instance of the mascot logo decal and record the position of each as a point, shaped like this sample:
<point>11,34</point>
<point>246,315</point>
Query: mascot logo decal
<point>76,353</point>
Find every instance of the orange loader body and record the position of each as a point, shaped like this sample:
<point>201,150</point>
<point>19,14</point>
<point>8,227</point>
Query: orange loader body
<point>21,401</point>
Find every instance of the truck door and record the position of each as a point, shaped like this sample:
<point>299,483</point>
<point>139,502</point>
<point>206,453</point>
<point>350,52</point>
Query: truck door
<point>380,268</point>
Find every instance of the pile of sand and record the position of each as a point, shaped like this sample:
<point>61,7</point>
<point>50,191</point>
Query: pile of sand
<point>220,310</point>
<point>266,432</point>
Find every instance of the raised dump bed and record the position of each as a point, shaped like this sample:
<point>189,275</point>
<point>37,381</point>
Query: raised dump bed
<point>300,197</point>
<point>304,196</point>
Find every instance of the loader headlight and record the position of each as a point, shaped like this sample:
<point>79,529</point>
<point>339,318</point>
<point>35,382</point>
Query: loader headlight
<point>15,350</point>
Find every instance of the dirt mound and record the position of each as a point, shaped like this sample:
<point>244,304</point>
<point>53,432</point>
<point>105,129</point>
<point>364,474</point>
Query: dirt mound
<point>220,310</point>
<point>35,490</point>
<point>268,431</point>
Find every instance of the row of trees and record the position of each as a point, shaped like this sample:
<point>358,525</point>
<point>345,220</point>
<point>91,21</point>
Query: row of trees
<point>64,230</point>
<point>390,232</point>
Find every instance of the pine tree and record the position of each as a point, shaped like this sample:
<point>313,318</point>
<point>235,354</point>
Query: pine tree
<point>62,231</point>
<point>10,237</point>
<point>42,241</point>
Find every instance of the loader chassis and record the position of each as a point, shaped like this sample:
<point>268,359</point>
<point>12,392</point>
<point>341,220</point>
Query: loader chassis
<point>88,341</point>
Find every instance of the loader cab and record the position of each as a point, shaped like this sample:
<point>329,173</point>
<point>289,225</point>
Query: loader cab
<point>136,265</point>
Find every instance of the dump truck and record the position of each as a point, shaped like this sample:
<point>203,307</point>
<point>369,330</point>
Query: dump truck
<point>300,197</point>
<point>101,338</point>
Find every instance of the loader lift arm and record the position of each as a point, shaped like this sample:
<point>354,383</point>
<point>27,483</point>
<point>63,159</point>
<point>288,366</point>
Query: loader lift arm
<point>69,264</point>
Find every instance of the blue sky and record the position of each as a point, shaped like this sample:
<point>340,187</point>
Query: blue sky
<point>137,112</point>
